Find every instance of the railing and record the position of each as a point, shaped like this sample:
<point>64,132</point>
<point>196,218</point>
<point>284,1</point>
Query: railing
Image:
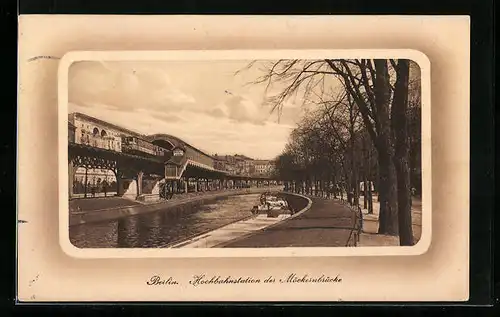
<point>136,147</point>
<point>108,143</point>
<point>356,215</point>
<point>357,225</point>
<point>201,165</point>
<point>139,145</point>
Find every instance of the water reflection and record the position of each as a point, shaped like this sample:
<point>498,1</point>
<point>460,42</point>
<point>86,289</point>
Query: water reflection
<point>159,229</point>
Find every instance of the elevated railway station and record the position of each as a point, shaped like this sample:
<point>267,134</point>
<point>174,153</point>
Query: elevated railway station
<point>107,160</point>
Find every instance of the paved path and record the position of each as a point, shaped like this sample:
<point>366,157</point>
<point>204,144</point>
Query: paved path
<point>370,237</point>
<point>327,224</point>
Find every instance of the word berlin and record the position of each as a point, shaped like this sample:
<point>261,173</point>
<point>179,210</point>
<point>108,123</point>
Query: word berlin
<point>292,278</point>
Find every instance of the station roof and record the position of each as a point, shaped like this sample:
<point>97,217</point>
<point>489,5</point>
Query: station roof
<point>104,123</point>
<point>177,142</point>
<point>176,160</point>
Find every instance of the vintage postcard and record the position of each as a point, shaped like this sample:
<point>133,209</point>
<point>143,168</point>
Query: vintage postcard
<point>273,152</point>
<point>209,171</point>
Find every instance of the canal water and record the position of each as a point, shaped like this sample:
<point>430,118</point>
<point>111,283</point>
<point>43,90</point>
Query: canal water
<point>162,228</point>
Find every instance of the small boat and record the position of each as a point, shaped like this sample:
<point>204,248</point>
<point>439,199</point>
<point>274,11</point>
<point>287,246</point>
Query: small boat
<point>270,204</point>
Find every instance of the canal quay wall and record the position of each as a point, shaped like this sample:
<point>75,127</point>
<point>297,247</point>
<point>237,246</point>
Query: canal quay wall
<point>245,228</point>
<point>296,202</point>
<point>174,206</point>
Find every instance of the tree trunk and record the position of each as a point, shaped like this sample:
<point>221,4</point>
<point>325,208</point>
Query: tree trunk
<point>356,189</point>
<point>366,163</point>
<point>352,136</point>
<point>370,184</point>
<point>341,192</point>
<point>327,186</point>
<point>365,193</point>
<point>388,216</point>
<point>347,186</point>
<point>333,187</point>
<point>355,180</point>
<point>404,201</point>
<point>401,161</point>
<point>370,200</point>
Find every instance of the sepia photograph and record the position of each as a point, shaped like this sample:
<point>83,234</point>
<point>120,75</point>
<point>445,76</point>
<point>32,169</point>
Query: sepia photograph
<point>244,153</point>
<point>176,162</point>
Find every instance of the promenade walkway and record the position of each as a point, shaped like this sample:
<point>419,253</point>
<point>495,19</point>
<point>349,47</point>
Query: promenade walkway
<point>370,237</point>
<point>327,223</point>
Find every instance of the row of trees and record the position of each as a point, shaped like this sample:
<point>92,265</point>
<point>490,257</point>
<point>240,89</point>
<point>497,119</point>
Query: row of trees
<point>331,150</point>
<point>362,125</point>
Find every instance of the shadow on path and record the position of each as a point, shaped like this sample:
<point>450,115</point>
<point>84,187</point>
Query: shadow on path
<point>327,224</point>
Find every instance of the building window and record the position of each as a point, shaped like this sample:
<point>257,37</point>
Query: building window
<point>178,152</point>
<point>96,131</point>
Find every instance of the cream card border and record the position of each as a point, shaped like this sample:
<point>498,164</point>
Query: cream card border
<point>46,272</point>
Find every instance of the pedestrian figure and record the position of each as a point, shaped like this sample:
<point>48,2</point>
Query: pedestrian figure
<point>255,210</point>
<point>350,197</point>
<point>105,187</point>
<point>262,199</point>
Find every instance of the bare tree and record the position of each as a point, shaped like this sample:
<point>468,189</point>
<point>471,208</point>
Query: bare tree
<point>379,90</point>
<point>399,126</point>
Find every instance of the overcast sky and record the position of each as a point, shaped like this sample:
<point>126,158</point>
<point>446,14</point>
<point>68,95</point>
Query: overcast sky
<point>203,103</point>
